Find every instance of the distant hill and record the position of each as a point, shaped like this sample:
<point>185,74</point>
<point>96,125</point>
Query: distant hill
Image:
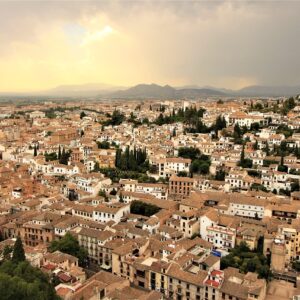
<point>87,90</point>
<point>155,91</point>
<point>145,91</point>
<point>193,93</point>
<point>162,92</point>
<point>259,90</point>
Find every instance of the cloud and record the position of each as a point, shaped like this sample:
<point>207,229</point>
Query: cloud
<point>222,43</point>
<point>95,36</point>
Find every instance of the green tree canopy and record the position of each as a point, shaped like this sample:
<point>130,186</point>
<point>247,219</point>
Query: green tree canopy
<point>145,209</point>
<point>189,152</point>
<point>22,281</point>
<point>69,244</point>
<point>82,115</point>
<point>245,260</point>
<point>18,251</point>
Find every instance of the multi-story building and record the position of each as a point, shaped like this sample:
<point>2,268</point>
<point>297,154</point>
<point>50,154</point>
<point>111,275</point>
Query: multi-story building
<point>181,185</point>
<point>172,165</point>
<point>92,240</point>
<point>110,212</point>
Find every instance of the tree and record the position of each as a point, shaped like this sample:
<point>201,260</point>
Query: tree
<point>113,192</point>
<point>182,174</point>
<point>282,167</point>
<point>102,193</point>
<point>189,152</point>
<point>258,106</point>
<point>117,118</point>
<point>35,151</point>
<point>96,167</point>
<point>220,123</point>
<point>267,149</point>
<point>200,166</point>
<point>242,157</point>
<point>65,155</point>
<point>285,130</point>
<point>288,105</point>
<point>160,120</point>
<point>245,260</point>
<point>59,152</point>
<point>121,200</point>
<point>145,121</point>
<point>237,132</point>
<point>22,281</point>
<point>103,145</point>
<point>220,175</point>
<point>255,146</point>
<point>174,132</point>
<point>69,244</point>
<point>51,156</point>
<point>295,186</point>
<point>82,115</point>
<point>18,251</point>
<point>258,187</point>
<point>132,160</point>
<point>297,152</point>
<point>141,208</point>
<point>283,147</point>
<point>7,252</point>
<point>254,126</point>
<point>296,266</point>
<point>245,162</point>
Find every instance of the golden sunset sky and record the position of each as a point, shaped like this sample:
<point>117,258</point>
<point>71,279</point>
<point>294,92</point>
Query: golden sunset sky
<point>229,44</point>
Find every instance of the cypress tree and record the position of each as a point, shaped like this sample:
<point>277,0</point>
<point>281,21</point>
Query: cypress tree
<point>281,160</point>
<point>237,131</point>
<point>59,152</point>
<point>35,151</point>
<point>267,149</point>
<point>121,198</point>
<point>242,159</point>
<point>18,251</point>
<point>7,252</point>
<point>174,132</point>
<point>63,155</point>
<point>117,158</point>
<point>127,154</point>
<point>296,152</point>
<point>135,153</point>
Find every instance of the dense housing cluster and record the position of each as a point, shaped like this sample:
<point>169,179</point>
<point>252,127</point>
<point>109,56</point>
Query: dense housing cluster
<point>140,199</point>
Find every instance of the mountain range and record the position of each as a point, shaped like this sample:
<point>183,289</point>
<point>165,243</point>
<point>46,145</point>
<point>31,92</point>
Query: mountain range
<point>190,92</point>
<point>155,91</point>
<point>163,92</point>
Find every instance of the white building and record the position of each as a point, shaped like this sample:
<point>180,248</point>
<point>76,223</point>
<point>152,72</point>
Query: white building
<point>110,212</point>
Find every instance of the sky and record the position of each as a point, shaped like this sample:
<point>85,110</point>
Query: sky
<point>230,44</point>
